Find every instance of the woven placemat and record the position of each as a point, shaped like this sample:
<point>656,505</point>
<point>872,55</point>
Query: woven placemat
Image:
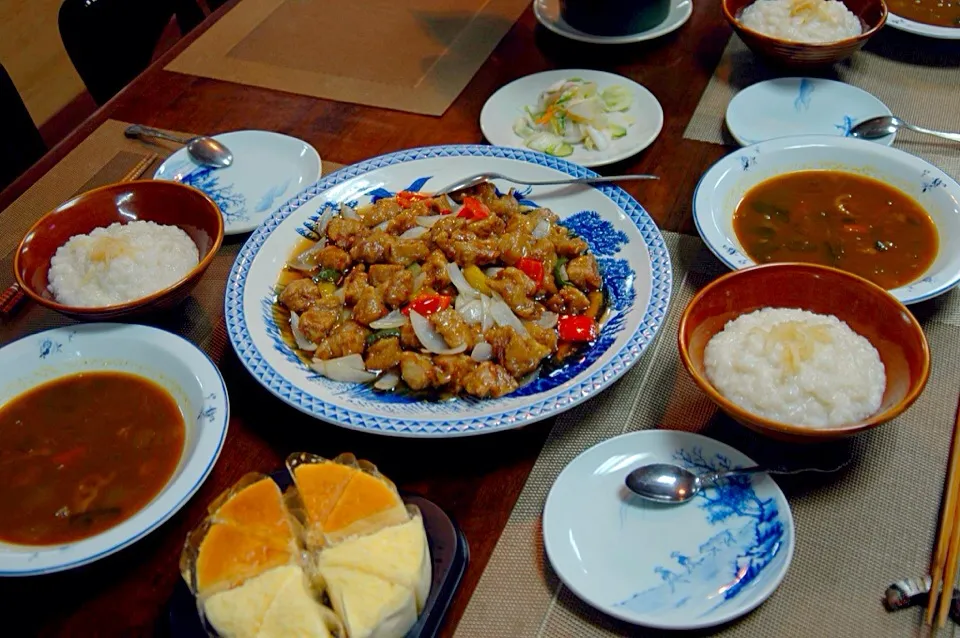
<point>916,78</point>
<point>857,531</point>
<point>102,158</point>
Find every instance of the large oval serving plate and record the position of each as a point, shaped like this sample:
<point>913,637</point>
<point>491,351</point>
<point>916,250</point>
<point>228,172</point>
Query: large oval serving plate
<point>632,256</point>
<point>166,359</point>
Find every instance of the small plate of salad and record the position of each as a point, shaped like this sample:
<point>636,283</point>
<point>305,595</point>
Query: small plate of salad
<point>588,117</point>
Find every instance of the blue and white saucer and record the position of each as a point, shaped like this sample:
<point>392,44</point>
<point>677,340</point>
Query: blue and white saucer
<point>786,107</point>
<point>268,169</point>
<point>686,566</point>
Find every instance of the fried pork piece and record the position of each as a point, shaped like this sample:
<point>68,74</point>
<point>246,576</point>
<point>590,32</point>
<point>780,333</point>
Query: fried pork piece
<point>404,221</point>
<point>379,212</point>
<point>514,247</point>
<point>449,230</point>
<point>369,306</point>
<point>568,301</point>
<point>381,273</point>
<point>345,232</point>
<point>475,251</point>
<point>543,250</point>
<point>566,245</point>
<point>547,337</point>
<point>501,205</point>
<point>333,257</point>
<point>408,251</point>
<point>488,226</point>
<point>516,288</point>
<point>354,285</point>
<point>316,323</point>
<point>374,248</point>
<point>417,370</point>
<point>299,295</point>
<point>452,370</point>
<point>347,338</point>
<point>397,290</point>
<point>519,354</point>
<point>408,338</point>
<point>383,354</point>
<point>434,270</point>
<point>584,273</point>
<point>451,326</point>
<point>489,380</point>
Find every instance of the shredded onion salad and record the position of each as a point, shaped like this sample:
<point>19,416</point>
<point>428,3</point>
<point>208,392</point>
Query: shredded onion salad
<point>572,112</point>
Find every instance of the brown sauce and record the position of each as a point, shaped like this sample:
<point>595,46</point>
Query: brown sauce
<point>941,13</point>
<point>83,453</point>
<point>838,219</point>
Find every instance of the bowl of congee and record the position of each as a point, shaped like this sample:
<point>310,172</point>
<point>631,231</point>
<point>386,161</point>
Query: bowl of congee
<point>803,352</point>
<point>868,209</point>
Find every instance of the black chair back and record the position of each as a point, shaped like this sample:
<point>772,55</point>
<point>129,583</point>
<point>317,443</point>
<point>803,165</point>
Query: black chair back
<point>21,144</point>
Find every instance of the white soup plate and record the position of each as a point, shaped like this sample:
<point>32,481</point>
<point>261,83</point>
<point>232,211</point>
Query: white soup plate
<point>923,29</point>
<point>687,566</point>
<point>507,104</point>
<point>787,107</point>
<point>268,169</point>
<point>723,186</point>
<point>548,14</point>
<point>164,358</point>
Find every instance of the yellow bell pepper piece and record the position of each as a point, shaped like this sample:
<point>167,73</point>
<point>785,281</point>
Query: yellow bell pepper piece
<point>327,288</point>
<point>476,278</point>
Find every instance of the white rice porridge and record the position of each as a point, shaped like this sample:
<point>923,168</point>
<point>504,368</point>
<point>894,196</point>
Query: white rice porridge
<point>120,263</point>
<point>796,367</point>
<point>814,21</point>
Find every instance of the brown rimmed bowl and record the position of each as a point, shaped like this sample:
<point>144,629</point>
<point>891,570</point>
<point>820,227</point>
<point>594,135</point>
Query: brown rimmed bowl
<point>867,308</point>
<point>162,202</point>
<point>803,55</point>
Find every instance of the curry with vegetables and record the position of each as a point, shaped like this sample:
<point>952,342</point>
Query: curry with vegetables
<point>473,295</point>
<point>82,453</point>
<point>839,219</point>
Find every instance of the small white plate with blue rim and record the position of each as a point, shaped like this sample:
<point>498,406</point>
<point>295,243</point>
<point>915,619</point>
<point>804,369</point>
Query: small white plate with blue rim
<point>688,566</point>
<point>172,362</point>
<point>786,107</point>
<point>547,13</point>
<point>507,104</point>
<point>268,169</point>
<point>723,186</point>
<point>923,29</point>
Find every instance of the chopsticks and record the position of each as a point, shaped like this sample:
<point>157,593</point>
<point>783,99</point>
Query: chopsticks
<point>943,565</point>
<point>140,168</point>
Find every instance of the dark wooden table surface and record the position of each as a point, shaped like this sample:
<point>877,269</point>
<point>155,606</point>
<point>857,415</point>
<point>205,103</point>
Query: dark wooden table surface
<point>476,480</point>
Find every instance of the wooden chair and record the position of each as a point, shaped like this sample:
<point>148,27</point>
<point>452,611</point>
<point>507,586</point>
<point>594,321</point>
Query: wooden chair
<point>21,144</point>
<point>110,42</point>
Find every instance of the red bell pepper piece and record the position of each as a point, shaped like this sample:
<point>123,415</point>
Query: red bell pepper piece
<point>426,305</point>
<point>405,198</point>
<point>473,209</point>
<point>532,268</point>
<point>576,328</point>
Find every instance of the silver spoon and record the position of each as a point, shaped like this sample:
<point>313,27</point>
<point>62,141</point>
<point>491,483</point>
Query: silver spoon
<point>205,150</point>
<point>888,124</point>
<point>666,483</point>
<point>475,180</point>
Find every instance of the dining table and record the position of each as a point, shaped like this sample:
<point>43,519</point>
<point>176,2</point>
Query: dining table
<point>477,480</point>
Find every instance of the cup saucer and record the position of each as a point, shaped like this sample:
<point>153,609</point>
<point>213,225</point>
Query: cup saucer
<point>548,13</point>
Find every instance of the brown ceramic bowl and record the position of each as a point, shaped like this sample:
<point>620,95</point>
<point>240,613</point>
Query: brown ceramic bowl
<point>161,202</point>
<point>868,309</point>
<point>801,55</point>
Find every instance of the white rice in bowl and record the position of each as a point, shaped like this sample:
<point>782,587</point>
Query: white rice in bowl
<point>796,367</point>
<point>813,21</point>
<point>120,263</point>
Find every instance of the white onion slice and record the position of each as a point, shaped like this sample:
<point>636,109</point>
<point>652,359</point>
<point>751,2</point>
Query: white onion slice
<point>548,320</point>
<point>347,212</point>
<point>414,233</point>
<point>345,369</point>
<point>388,381</point>
<point>483,351</point>
<point>472,311</point>
<point>458,280</point>
<point>302,342</point>
<point>419,280</point>
<point>324,219</point>
<point>341,294</point>
<point>382,226</point>
<point>429,338</point>
<point>427,221</point>
<point>305,261</point>
<point>503,315</point>
<point>542,229</point>
<point>395,319</point>
<point>562,270</point>
<point>486,322</point>
<point>492,271</point>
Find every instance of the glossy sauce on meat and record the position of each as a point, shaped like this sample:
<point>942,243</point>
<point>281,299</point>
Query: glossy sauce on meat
<point>82,453</point>
<point>941,13</point>
<point>838,219</point>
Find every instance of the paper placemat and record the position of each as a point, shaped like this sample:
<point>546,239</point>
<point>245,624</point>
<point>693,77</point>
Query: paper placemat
<point>856,531</point>
<point>415,55</point>
<point>916,78</point>
<point>102,158</point>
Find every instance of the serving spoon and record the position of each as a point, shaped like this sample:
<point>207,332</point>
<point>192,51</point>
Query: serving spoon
<point>203,149</point>
<point>888,125</point>
<point>480,178</point>
<point>667,483</point>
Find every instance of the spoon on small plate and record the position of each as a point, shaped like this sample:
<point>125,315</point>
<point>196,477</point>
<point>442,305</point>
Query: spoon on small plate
<point>205,150</point>
<point>666,483</point>
<point>475,180</point>
<point>888,125</point>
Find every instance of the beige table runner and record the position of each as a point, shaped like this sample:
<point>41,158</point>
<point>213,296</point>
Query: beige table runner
<point>856,532</point>
<point>409,55</point>
<point>105,157</point>
<point>918,80</point>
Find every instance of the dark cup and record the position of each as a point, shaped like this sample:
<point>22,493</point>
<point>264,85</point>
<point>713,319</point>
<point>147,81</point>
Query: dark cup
<point>614,17</point>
